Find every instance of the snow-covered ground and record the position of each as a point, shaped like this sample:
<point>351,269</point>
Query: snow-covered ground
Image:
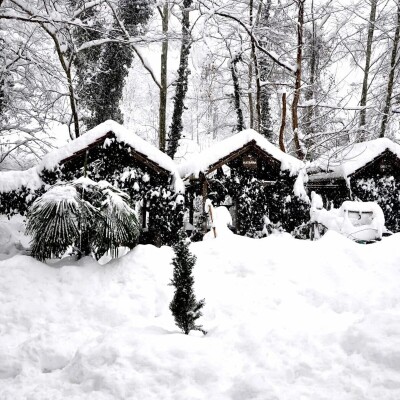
<point>286,320</point>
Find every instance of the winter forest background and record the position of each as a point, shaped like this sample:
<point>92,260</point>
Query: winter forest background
<point>276,318</point>
<point>309,75</point>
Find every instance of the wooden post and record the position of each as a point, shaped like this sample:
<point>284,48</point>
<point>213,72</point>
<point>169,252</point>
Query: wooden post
<point>204,192</point>
<point>212,220</point>
<point>144,214</point>
<point>191,208</point>
<point>237,215</point>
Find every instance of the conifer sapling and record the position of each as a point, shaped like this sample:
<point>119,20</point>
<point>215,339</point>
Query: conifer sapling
<point>184,306</point>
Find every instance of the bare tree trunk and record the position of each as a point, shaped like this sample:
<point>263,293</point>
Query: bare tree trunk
<point>73,104</point>
<point>256,69</point>
<point>164,84</point>
<point>297,87</point>
<point>263,18</point>
<point>368,53</point>
<point>283,124</point>
<point>250,95</point>
<point>310,91</point>
<point>236,90</point>
<point>393,62</point>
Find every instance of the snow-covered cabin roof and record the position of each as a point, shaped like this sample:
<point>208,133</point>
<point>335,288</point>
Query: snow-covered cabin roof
<point>344,161</point>
<point>12,180</point>
<point>206,160</point>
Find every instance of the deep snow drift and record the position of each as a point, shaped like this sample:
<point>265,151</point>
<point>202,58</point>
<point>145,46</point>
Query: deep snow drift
<point>286,320</point>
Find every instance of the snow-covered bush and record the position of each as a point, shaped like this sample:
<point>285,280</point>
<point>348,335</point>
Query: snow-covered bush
<point>386,192</point>
<point>17,201</point>
<point>252,205</point>
<point>166,211</point>
<point>286,207</point>
<point>184,306</point>
<point>282,207</point>
<point>117,225</point>
<point>92,217</point>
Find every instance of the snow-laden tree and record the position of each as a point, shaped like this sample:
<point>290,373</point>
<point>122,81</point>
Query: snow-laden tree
<point>89,40</point>
<point>31,97</point>
<point>101,70</point>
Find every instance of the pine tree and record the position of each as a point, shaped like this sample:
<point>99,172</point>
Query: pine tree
<point>184,306</point>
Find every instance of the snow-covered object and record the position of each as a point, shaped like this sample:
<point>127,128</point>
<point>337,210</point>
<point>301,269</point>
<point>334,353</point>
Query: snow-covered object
<point>221,220</point>
<point>344,161</point>
<point>222,217</point>
<point>12,236</point>
<point>354,219</point>
<point>286,319</point>
<point>207,205</point>
<point>316,201</point>
<point>299,188</point>
<point>60,194</point>
<point>202,161</point>
<point>13,180</point>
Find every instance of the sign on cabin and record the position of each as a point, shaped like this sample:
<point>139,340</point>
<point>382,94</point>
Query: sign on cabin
<point>249,162</point>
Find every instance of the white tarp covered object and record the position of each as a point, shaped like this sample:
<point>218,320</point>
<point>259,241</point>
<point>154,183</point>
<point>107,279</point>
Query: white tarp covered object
<point>361,221</point>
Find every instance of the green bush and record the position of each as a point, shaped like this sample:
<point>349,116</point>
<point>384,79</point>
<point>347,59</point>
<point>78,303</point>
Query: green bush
<point>95,218</point>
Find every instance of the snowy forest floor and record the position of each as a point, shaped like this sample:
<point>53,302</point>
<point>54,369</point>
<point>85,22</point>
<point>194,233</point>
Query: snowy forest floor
<point>286,319</point>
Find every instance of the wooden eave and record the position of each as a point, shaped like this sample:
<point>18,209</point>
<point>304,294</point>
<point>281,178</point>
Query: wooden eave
<point>326,183</point>
<point>250,146</point>
<point>135,154</point>
<point>88,147</point>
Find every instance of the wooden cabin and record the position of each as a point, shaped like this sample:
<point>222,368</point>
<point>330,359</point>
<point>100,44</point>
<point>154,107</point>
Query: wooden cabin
<point>349,172</point>
<point>246,152</point>
<point>110,152</point>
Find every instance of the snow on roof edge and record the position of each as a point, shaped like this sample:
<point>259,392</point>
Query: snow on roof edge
<point>346,160</point>
<point>204,159</point>
<point>13,180</point>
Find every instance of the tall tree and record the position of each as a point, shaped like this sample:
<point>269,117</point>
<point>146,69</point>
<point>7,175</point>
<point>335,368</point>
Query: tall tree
<point>236,92</point>
<point>254,63</point>
<point>114,59</point>
<point>265,127</point>
<point>392,69</point>
<point>181,84</point>
<point>162,133</point>
<point>368,55</point>
<point>298,82</point>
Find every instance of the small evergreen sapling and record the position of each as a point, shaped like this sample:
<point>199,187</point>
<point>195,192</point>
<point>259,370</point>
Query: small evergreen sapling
<point>184,306</point>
